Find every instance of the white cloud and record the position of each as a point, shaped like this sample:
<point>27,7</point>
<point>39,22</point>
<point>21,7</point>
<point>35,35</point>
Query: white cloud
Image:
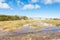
<point>37,6</point>
<point>30,6</point>
<point>1,0</point>
<point>19,2</point>
<point>50,1</point>
<point>57,1</point>
<point>4,5</point>
<point>34,1</point>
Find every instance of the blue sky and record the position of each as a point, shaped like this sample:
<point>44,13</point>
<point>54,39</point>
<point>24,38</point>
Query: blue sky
<point>31,8</point>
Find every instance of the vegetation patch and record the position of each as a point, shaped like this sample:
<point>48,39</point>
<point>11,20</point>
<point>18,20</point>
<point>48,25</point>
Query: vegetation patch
<point>54,22</point>
<point>36,25</point>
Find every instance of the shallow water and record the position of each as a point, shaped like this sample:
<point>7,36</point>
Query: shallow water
<point>26,33</point>
<point>27,29</point>
<point>46,28</point>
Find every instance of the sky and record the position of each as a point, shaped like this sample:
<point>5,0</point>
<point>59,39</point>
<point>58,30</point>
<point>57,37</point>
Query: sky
<point>31,8</point>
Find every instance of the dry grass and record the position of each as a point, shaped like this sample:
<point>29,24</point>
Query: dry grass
<point>36,25</point>
<point>14,25</point>
<point>54,22</point>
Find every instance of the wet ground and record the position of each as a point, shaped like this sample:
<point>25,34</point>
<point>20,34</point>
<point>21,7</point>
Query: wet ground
<point>27,33</point>
<point>32,36</point>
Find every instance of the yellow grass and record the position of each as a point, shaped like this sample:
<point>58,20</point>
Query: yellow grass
<point>14,25</point>
<point>54,22</point>
<point>36,26</point>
